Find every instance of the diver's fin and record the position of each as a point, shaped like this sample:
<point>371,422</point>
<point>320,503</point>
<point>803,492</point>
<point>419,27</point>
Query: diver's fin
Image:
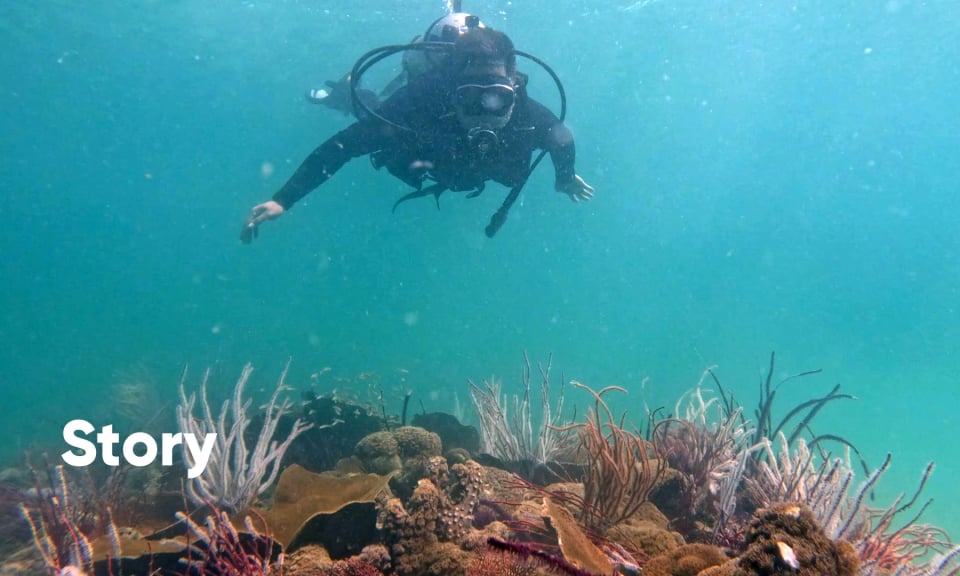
<point>476,192</point>
<point>436,190</point>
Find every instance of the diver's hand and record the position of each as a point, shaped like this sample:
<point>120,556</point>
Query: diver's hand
<point>260,213</point>
<point>336,95</point>
<point>577,189</point>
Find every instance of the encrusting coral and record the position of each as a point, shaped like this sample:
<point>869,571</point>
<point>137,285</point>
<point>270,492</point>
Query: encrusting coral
<point>313,560</point>
<point>644,535</point>
<point>686,560</point>
<point>574,543</point>
<point>647,530</point>
<point>785,539</point>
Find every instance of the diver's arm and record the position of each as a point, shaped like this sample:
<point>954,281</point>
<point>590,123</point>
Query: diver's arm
<point>563,152</point>
<point>557,139</point>
<point>356,140</point>
<point>554,137</point>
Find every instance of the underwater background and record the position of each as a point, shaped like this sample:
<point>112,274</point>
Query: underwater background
<point>769,176</point>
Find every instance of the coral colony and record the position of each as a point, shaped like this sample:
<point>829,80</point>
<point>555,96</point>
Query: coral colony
<point>534,490</point>
<point>235,476</point>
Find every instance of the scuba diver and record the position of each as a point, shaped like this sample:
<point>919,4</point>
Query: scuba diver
<point>457,116</point>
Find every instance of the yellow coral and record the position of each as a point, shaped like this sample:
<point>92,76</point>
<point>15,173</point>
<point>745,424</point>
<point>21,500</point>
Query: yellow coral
<point>686,560</point>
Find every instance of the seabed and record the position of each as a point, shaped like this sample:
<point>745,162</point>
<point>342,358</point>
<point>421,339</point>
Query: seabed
<point>329,485</point>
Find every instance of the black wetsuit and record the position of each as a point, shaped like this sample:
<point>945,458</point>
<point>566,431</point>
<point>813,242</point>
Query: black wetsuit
<point>437,150</point>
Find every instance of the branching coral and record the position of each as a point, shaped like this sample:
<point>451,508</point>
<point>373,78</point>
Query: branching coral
<point>718,453</point>
<point>793,475</point>
<point>510,437</point>
<point>806,411</point>
<point>912,549</point>
<point>946,563</point>
<point>889,551</point>
<point>620,466</point>
<point>220,549</point>
<point>234,475</point>
<point>826,490</point>
<point>63,528</point>
<point>706,443</point>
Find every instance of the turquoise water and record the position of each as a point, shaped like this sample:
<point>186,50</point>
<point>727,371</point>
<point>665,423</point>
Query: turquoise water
<point>769,175</point>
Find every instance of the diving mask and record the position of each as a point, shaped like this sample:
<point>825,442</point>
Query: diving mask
<point>486,101</point>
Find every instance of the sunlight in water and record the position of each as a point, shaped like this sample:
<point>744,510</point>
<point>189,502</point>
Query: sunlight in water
<point>638,5</point>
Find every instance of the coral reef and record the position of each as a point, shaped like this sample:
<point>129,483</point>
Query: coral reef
<point>576,547</point>
<point>703,445</point>
<point>379,453</point>
<point>686,560</point>
<point>622,467</point>
<point>424,533</point>
<point>338,424</point>
<point>687,495</point>
<point>406,451</point>
<point>343,533</point>
<point>314,561</point>
<point>645,535</point>
<point>235,476</point>
<point>785,539</point>
<point>72,524</point>
<point>302,495</point>
<point>414,443</point>
<point>513,440</point>
<point>392,450</point>
<point>513,559</point>
<point>220,549</point>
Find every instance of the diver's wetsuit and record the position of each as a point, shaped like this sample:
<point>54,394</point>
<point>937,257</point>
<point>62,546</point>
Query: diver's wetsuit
<point>437,150</point>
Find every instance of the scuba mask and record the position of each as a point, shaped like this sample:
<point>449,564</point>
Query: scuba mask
<point>484,105</point>
<point>486,101</point>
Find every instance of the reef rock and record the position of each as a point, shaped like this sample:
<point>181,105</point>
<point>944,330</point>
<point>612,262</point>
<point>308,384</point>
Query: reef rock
<point>686,560</point>
<point>785,539</point>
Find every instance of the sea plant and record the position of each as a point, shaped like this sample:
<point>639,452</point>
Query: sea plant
<point>705,443</point>
<point>218,548</point>
<point>507,428</point>
<point>621,467</point>
<point>235,476</point>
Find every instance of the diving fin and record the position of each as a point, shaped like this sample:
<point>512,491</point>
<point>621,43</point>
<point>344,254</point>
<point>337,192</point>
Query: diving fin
<point>436,190</point>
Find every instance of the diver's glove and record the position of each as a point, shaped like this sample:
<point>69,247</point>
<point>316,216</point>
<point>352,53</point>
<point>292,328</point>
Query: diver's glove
<point>260,213</point>
<point>576,189</point>
<point>335,96</point>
